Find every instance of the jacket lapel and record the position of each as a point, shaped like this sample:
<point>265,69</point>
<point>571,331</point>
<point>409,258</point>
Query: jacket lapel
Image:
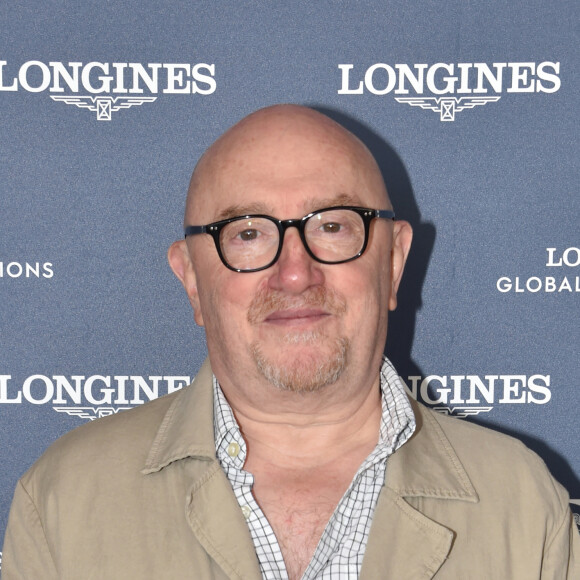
<point>217,521</point>
<point>404,543</point>
<point>213,513</point>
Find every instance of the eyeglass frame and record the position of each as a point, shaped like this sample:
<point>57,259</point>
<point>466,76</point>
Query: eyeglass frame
<point>214,229</point>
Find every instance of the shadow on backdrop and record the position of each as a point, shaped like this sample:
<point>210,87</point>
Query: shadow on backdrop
<point>402,321</point>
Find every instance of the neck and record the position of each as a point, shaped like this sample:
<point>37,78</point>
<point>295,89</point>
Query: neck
<point>313,431</point>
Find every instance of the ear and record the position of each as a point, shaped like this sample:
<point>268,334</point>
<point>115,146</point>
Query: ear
<point>402,237</point>
<point>182,266</point>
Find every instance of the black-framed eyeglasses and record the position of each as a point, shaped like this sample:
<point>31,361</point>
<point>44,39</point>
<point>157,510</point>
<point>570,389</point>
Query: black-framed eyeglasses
<point>251,243</point>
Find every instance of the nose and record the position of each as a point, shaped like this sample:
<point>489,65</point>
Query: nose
<point>295,271</point>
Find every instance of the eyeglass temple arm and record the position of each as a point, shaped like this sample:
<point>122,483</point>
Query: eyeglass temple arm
<point>386,214</point>
<point>193,230</point>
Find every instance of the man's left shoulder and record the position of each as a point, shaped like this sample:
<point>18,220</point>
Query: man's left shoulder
<point>496,461</point>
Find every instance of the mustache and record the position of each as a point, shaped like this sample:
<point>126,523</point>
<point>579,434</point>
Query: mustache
<point>266,302</point>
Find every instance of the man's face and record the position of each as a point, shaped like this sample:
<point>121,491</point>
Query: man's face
<point>300,325</point>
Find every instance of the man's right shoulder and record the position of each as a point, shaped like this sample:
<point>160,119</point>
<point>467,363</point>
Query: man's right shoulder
<point>99,445</point>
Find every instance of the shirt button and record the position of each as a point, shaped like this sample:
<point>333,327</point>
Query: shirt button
<point>247,511</point>
<point>233,449</point>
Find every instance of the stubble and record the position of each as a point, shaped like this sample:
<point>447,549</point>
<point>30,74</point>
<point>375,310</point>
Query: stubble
<point>319,359</point>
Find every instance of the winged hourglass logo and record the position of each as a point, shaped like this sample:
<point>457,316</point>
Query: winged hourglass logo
<point>90,413</point>
<point>446,106</point>
<point>104,106</point>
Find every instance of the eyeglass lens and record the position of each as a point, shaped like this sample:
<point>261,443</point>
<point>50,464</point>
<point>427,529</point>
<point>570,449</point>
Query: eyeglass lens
<point>334,235</point>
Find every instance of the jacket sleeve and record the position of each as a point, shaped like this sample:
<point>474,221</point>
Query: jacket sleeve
<point>562,552</point>
<point>26,555</point>
<point>574,565</point>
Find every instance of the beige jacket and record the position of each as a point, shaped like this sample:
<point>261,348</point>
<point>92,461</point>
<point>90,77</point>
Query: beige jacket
<point>141,495</point>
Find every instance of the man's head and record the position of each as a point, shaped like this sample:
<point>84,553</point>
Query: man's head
<point>299,324</point>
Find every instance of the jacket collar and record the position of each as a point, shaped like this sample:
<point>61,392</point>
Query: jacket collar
<point>187,428</point>
<point>211,508</point>
<point>426,466</point>
<point>402,540</point>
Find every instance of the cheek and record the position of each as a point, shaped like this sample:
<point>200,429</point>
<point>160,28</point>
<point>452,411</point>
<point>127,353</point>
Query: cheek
<point>367,298</point>
<point>225,298</point>
<point>365,294</point>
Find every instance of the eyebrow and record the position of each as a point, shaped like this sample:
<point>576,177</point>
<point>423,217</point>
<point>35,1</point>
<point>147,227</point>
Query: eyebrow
<point>340,199</point>
<point>237,210</point>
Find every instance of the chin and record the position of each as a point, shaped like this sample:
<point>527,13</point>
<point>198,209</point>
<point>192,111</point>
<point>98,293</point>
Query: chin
<point>305,365</point>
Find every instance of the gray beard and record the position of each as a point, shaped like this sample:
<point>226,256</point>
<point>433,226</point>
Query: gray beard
<point>306,374</point>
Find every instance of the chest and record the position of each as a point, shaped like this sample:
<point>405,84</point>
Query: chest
<point>298,509</point>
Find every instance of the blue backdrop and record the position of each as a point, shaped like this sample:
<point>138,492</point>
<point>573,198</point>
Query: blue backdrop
<point>470,107</point>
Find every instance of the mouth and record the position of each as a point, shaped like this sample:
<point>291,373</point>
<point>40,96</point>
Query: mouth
<point>271,309</point>
<point>296,317</point>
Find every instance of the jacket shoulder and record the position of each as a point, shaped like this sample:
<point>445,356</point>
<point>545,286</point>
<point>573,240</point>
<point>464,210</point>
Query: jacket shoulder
<point>103,444</point>
<point>499,463</point>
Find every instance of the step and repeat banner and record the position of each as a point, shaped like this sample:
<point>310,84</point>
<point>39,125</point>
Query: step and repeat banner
<point>470,108</point>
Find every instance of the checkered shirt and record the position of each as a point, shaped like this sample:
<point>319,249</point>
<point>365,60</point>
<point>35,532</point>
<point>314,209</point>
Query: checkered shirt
<point>341,548</point>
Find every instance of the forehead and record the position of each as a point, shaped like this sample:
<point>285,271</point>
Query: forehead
<point>286,172</point>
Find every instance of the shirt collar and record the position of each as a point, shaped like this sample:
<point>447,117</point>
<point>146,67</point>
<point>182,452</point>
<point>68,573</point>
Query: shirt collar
<point>426,465</point>
<point>397,421</point>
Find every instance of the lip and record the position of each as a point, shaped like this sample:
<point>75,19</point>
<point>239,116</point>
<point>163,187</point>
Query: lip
<point>296,316</point>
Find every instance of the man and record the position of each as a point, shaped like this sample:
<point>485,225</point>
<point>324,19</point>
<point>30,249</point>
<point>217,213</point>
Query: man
<point>295,453</point>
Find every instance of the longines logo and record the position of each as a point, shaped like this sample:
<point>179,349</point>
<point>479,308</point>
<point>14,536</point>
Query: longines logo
<point>89,397</point>
<point>449,88</point>
<point>111,87</point>
<point>558,284</point>
<point>465,395</point>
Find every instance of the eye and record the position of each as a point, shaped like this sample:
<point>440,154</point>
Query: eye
<point>330,227</point>
<point>248,232</point>
<point>248,235</point>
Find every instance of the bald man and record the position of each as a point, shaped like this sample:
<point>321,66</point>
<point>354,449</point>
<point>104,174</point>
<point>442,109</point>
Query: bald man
<point>296,452</point>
